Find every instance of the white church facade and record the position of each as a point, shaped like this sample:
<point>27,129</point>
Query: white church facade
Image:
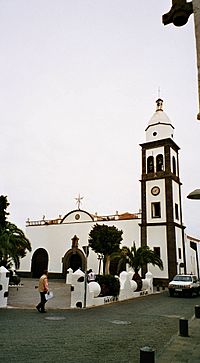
<point>61,243</point>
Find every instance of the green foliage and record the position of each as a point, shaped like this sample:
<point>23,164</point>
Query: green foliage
<point>110,285</point>
<point>3,206</point>
<point>139,257</point>
<point>117,266</point>
<point>13,242</point>
<point>136,258</point>
<point>105,240</point>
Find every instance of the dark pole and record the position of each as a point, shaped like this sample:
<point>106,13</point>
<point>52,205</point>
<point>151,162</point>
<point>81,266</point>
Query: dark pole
<point>86,250</point>
<point>147,355</point>
<point>197,260</point>
<point>183,327</point>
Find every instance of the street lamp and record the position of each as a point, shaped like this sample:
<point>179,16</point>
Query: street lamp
<point>86,250</point>
<point>179,15</point>
<point>100,258</point>
<point>194,195</point>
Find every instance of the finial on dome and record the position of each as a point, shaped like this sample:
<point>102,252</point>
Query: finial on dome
<point>159,103</point>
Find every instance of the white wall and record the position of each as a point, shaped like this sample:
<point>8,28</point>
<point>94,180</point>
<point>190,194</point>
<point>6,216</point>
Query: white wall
<point>191,260</point>
<point>56,240</point>
<point>158,198</point>
<point>157,238</point>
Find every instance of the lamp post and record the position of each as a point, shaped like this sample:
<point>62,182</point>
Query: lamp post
<point>179,15</point>
<point>195,194</point>
<point>86,250</point>
<point>100,258</point>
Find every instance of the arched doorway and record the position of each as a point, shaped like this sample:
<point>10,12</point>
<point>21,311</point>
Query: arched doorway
<point>39,262</point>
<point>74,260</point>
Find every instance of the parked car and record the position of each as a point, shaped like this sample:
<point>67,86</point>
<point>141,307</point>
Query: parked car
<point>184,285</point>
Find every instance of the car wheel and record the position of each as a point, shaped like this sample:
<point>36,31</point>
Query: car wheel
<point>171,293</point>
<point>190,293</point>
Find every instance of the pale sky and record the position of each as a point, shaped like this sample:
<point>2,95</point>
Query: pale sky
<point>78,85</point>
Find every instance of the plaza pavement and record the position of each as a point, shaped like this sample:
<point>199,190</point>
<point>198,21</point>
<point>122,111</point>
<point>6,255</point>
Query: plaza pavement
<point>178,349</point>
<point>183,349</point>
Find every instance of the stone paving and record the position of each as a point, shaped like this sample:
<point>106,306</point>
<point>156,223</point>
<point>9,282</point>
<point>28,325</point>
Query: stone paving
<point>27,295</point>
<point>97,335</point>
<point>182,349</point>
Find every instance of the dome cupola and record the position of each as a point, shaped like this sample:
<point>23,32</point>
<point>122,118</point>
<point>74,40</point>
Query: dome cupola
<point>159,126</point>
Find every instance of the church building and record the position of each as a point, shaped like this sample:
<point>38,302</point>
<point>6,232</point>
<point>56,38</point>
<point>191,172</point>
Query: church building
<point>62,243</point>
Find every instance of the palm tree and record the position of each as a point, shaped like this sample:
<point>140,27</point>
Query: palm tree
<point>13,242</point>
<point>138,258</point>
<point>13,246</point>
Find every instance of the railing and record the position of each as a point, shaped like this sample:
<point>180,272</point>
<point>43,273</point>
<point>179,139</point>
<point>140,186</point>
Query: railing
<point>42,222</point>
<point>112,217</point>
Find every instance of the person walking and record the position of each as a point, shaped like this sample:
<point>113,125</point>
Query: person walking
<point>43,289</point>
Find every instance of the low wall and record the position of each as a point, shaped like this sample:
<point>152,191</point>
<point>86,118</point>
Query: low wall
<point>4,281</point>
<point>85,294</point>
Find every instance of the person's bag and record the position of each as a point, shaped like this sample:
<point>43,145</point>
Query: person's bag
<point>49,295</point>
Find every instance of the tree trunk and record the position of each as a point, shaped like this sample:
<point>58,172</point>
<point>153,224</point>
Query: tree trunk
<point>107,265</point>
<point>138,280</point>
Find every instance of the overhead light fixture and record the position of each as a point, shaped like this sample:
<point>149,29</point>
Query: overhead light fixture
<point>194,195</point>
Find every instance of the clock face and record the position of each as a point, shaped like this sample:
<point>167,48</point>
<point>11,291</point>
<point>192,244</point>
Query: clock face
<point>155,190</point>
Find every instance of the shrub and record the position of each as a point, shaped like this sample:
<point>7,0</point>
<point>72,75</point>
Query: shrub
<point>14,278</point>
<point>110,285</point>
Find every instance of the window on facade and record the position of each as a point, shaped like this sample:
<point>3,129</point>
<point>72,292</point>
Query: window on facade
<point>179,253</point>
<point>159,162</point>
<point>150,164</point>
<point>174,165</point>
<point>157,251</point>
<point>176,211</point>
<point>193,245</point>
<point>155,210</point>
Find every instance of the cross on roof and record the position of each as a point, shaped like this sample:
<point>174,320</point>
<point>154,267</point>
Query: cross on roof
<point>78,199</point>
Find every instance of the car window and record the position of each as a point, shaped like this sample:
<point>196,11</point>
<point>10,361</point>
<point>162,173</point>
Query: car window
<point>182,278</point>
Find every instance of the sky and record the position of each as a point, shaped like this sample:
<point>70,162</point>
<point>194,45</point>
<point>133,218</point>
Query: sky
<point>78,85</point>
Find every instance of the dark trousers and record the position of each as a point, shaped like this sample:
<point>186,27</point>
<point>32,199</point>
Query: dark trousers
<point>41,305</point>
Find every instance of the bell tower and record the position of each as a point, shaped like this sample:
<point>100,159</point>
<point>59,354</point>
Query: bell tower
<point>161,225</point>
